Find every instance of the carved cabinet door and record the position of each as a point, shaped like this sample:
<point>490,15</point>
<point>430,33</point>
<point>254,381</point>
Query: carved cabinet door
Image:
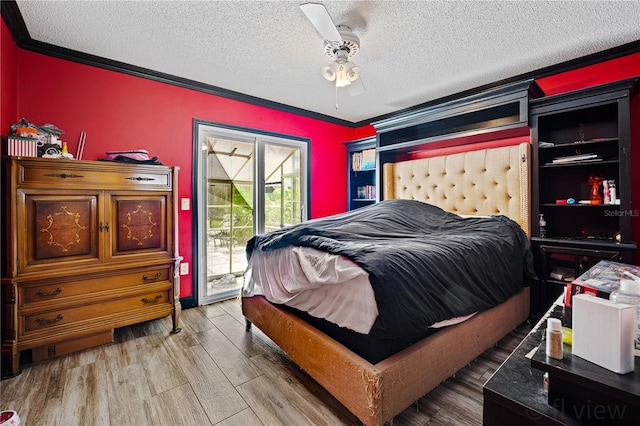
<point>138,225</point>
<point>57,230</point>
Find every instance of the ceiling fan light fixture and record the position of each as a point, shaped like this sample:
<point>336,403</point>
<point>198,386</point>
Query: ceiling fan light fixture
<point>352,71</point>
<point>341,77</point>
<point>340,44</point>
<point>342,73</point>
<point>329,72</point>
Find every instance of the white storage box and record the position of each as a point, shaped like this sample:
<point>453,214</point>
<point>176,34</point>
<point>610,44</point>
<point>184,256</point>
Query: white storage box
<point>603,332</point>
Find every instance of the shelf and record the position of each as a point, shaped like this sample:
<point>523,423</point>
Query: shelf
<point>592,122</point>
<point>578,163</point>
<point>364,179</point>
<point>557,282</point>
<point>577,144</point>
<point>501,108</point>
<point>578,205</point>
<point>577,242</point>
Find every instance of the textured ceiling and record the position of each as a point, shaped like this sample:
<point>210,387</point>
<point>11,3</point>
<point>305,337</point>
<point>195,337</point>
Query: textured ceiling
<point>411,51</point>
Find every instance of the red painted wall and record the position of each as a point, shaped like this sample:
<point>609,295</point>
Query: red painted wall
<point>593,75</point>
<point>119,111</point>
<point>8,81</point>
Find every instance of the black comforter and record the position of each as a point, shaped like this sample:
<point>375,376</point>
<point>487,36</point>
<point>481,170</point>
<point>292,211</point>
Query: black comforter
<point>425,265</point>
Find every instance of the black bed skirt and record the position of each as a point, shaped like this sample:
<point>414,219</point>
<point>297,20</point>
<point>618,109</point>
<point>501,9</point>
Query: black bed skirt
<point>371,349</point>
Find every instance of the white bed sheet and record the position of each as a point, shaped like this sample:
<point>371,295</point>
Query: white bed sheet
<point>321,284</point>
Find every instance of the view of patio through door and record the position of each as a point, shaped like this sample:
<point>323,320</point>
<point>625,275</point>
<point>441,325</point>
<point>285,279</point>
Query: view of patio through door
<point>252,184</point>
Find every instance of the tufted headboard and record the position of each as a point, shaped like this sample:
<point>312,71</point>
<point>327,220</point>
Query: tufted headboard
<point>480,183</point>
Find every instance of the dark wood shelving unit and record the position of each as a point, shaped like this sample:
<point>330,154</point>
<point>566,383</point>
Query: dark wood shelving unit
<point>359,178</point>
<point>593,121</point>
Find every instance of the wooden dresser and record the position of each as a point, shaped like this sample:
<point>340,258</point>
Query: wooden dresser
<point>89,246</point>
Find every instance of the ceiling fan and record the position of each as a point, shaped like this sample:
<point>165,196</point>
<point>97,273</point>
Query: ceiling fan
<point>340,44</point>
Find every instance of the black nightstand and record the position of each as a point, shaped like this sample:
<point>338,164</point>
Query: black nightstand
<point>588,392</point>
<point>515,393</point>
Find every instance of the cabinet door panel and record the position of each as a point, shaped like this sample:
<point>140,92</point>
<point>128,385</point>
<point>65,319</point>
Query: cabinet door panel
<point>58,230</point>
<point>139,225</point>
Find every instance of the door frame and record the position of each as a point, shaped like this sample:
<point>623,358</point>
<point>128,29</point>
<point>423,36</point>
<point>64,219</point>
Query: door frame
<point>199,199</point>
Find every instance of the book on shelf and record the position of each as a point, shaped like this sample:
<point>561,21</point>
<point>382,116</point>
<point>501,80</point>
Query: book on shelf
<point>363,160</point>
<point>371,192</point>
<point>366,192</point>
<point>368,159</point>
<point>574,158</point>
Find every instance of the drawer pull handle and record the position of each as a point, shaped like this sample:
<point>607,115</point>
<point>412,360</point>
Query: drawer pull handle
<point>43,321</point>
<point>157,298</point>
<point>104,227</point>
<point>155,277</point>
<point>139,178</point>
<point>48,293</point>
<point>63,175</point>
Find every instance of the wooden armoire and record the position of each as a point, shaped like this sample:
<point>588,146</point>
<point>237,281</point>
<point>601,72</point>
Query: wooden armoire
<point>89,246</point>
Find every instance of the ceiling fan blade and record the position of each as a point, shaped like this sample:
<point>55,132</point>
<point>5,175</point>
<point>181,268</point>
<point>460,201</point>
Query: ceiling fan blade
<point>321,20</point>
<point>356,87</point>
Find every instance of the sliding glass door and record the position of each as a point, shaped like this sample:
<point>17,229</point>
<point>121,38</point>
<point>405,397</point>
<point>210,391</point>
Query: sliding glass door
<point>248,183</point>
<point>282,189</point>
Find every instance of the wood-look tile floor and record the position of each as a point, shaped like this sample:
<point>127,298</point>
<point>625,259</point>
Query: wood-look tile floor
<point>213,373</point>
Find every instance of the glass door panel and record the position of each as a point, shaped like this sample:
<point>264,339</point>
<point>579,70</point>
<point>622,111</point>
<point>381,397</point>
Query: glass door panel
<point>247,183</point>
<point>229,214</point>
<point>282,188</point>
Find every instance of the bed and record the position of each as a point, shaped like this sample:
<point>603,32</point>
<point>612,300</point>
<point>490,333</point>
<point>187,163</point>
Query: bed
<point>479,183</point>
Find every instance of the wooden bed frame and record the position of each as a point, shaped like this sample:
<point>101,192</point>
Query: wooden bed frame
<point>484,182</point>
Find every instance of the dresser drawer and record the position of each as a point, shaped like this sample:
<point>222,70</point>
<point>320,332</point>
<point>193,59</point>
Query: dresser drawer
<point>114,312</point>
<point>77,289</point>
<point>37,174</point>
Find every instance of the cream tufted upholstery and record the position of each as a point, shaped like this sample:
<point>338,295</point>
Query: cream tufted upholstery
<point>485,182</point>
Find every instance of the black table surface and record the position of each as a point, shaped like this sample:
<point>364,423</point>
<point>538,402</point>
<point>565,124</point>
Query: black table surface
<point>590,375</point>
<point>520,387</point>
<point>518,383</point>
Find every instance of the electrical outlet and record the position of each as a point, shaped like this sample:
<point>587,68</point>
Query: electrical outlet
<point>184,268</point>
<point>185,203</point>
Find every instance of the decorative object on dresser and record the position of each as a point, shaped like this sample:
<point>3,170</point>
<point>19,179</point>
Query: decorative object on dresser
<point>90,246</point>
<point>581,139</point>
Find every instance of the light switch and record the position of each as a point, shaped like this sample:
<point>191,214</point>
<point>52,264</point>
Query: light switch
<point>184,268</point>
<point>185,203</point>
